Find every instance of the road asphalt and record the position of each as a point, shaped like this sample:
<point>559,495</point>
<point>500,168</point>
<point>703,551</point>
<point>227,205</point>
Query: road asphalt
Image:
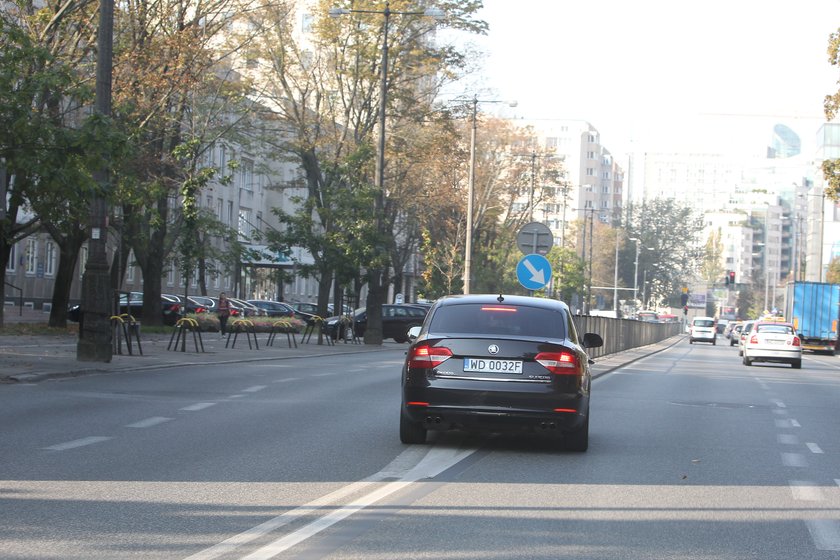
<point>28,358</point>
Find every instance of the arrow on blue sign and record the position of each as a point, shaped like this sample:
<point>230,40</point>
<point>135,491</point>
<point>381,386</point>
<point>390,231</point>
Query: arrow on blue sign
<point>533,271</point>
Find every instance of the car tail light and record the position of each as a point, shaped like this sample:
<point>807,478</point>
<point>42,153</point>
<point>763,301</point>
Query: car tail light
<point>754,339</point>
<point>560,363</point>
<point>427,357</point>
<point>796,341</point>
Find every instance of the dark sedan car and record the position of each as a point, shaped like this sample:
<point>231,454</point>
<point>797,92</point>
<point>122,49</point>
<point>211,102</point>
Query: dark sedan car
<point>273,308</point>
<point>498,363</point>
<point>396,320</point>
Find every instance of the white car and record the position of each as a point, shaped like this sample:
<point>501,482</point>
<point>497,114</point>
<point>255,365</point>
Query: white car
<point>703,329</point>
<point>770,341</point>
<point>742,338</point>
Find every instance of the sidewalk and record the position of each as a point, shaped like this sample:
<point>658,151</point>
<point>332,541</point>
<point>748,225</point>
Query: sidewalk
<point>32,358</point>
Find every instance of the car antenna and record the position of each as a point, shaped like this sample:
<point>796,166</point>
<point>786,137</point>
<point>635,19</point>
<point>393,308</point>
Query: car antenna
<point>501,298</point>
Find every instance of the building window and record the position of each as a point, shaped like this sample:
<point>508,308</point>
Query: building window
<point>590,171</point>
<point>590,155</point>
<point>50,257</point>
<point>83,258</point>
<point>246,175</point>
<point>245,223</point>
<point>31,255</point>
<point>11,266</point>
<point>129,265</point>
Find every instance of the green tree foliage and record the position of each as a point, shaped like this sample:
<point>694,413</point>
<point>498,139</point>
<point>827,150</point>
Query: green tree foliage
<point>670,255</point>
<point>831,106</point>
<point>49,145</point>
<point>327,92</point>
<point>833,274</point>
<point>711,270</point>
<point>170,90</point>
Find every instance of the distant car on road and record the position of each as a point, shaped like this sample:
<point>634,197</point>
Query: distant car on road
<point>773,342</point>
<point>498,363</point>
<point>703,330</point>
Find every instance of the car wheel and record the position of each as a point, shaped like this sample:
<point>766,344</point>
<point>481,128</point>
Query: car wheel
<point>747,361</point>
<point>411,432</point>
<point>691,341</point>
<point>579,440</point>
<point>714,342</point>
<point>796,364</point>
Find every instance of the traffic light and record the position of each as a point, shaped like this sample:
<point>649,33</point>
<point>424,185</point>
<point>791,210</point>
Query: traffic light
<point>726,277</point>
<point>684,299</point>
<point>731,278</point>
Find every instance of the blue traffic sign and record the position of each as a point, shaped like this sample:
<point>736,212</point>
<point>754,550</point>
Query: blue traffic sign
<point>533,271</point>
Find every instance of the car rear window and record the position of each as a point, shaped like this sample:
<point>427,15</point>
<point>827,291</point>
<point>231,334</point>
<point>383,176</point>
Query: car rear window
<point>498,319</point>
<point>778,329</point>
<point>704,323</point>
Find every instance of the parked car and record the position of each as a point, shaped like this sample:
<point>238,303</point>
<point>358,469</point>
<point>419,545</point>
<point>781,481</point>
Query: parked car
<point>703,329</point>
<point>273,308</point>
<point>311,309</point>
<point>132,303</point>
<point>235,310</point>
<point>773,342</point>
<point>396,320</point>
<point>745,331</point>
<point>248,309</point>
<point>498,363</point>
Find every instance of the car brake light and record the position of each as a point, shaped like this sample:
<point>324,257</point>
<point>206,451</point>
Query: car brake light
<point>754,339</point>
<point>796,341</point>
<point>561,363</point>
<point>427,357</point>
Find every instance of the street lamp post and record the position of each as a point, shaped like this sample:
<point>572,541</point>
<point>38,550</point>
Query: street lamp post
<point>471,188</point>
<point>636,270</point>
<point>373,334</point>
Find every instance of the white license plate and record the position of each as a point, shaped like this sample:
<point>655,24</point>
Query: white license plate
<point>486,365</point>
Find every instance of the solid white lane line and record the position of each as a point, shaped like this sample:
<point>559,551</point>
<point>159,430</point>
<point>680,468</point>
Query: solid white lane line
<point>285,543</point>
<point>814,448</point>
<point>825,533</point>
<point>788,439</point>
<point>77,443</point>
<point>793,460</point>
<point>236,396</point>
<point>805,491</point>
<point>287,380</point>
<point>254,389</point>
<point>410,466</point>
<point>149,422</point>
<point>198,406</point>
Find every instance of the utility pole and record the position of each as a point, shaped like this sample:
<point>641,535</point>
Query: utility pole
<point>95,319</point>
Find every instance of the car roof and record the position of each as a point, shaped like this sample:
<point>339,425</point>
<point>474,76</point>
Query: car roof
<point>502,299</point>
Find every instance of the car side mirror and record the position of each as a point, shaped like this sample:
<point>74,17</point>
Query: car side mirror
<point>413,333</point>
<point>592,340</point>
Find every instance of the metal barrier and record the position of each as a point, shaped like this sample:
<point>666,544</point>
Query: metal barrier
<point>125,326</point>
<point>282,326</point>
<point>623,334</point>
<point>242,326</point>
<point>316,324</point>
<point>182,327</point>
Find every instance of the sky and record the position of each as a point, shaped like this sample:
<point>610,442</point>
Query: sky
<point>660,75</point>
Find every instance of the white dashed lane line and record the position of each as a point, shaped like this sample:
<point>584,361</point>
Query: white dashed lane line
<point>254,389</point>
<point>794,460</point>
<point>788,439</point>
<point>149,422</point>
<point>198,406</point>
<point>77,443</point>
<point>814,448</point>
<point>825,533</point>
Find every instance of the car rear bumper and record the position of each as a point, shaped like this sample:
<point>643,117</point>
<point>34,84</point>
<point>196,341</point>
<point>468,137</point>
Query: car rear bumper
<point>497,409</point>
<point>771,355</point>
